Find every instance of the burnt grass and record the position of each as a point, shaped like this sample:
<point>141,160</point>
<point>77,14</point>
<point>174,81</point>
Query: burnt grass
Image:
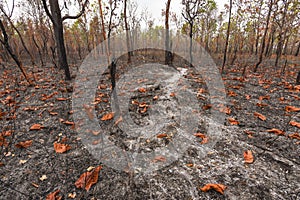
<point>274,174</point>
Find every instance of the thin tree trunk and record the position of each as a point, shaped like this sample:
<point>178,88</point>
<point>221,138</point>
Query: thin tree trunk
<point>227,36</point>
<point>103,31</point>
<point>298,49</point>
<point>263,40</point>
<point>5,43</point>
<point>191,44</point>
<point>127,33</point>
<point>167,39</point>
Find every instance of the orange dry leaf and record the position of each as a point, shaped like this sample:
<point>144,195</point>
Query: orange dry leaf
<point>206,107</point>
<point>248,96</point>
<point>295,136</point>
<point>226,110</point>
<point>107,116</point>
<point>24,144</point>
<point>69,123</point>
<point>231,93</point>
<point>276,131</point>
<point>142,90</point>
<point>232,121</point>
<point>61,99</point>
<point>202,136</point>
<point>87,179</point>
<point>163,135</point>
<point>248,157</point>
<point>3,142</point>
<point>294,123</point>
<point>260,116</point>
<point>36,127</point>
<point>292,109</point>
<point>159,159</point>
<point>172,94</point>
<point>217,187</point>
<point>54,196</point>
<point>61,148</point>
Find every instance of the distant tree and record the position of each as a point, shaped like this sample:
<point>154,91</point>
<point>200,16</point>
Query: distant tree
<point>57,21</point>
<point>168,55</point>
<point>5,42</point>
<point>190,13</point>
<point>227,36</point>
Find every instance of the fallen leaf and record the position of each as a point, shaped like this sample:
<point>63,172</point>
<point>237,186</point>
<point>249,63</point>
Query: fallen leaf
<point>294,123</point>
<point>54,196</point>
<point>232,121</point>
<point>247,96</point>
<point>61,148</point>
<point>295,136</point>
<point>61,99</point>
<point>226,110</point>
<point>202,136</point>
<point>23,161</point>
<point>107,116</point>
<point>260,116</point>
<point>69,123</point>
<point>159,159</point>
<point>163,135</point>
<point>72,195</point>
<point>87,179</point>
<point>276,131</point>
<point>24,144</point>
<point>36,127</point>
<point>217,187</point>
<point>190,165</point>
<point>292,109</point>
<point>89,111</point>
<point>267,97</point>
<point>142,90</point>
<point>35,185</point>
<point>248,157</point>
<point>172,94</point>
<point>118,120</point>
<point>231,94</point>
<point>206,107</point>
<point>43,177</point>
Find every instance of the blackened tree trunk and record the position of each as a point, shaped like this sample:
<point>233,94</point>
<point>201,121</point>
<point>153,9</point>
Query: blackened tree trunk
<point>127,33</point>
<point>263,40</point>
<point>298,79</point>
<point>227,36</point>
<point>5,43</point>
<point>57,22</point>
<point>167,39</point>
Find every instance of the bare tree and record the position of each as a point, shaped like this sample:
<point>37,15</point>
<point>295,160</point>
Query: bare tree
<point>263,39</point>
<point>127,32</point>
<point>227,36</point>
<point>190,14</point>
<point>168,55</point>
<point>5,42</point>
<point>57,21</point>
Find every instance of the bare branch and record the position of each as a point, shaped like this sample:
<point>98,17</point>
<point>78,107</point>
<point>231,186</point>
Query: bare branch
<point>79,14</point>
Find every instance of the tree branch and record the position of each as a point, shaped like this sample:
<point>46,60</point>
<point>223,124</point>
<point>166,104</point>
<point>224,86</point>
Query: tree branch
<point>79,14</point>
<point>47,11</point>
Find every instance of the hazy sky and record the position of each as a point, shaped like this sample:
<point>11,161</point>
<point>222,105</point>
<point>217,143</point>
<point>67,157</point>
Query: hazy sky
<point>155,7</point>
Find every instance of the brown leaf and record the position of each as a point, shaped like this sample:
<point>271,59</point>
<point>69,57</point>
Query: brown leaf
<point>226,110</point>
<point>24,144</point>
<point>217,187</point>
<point>172,94</point>
<point>142,90</point>
<point>206,107</point>
<point>163,135</point>
<point>248,157</point>
<point>276,131</point>
<point>61,99</point>
<point>247,96</point>
<point>36,127</point>
<point>89,111</point>
<point>264,97</point>
<point>260,116</point>
<point>294,123</point>
<point>232,121</point>
<point>202,136</point>
<point>231,94</point>
<point>87,179</point>
<point>61,148</point>
<point>3,142</point>
<point>54,196</point>
<point>69,123</point>
<point>292,109</point>
<point>295,136</point>
<point>107,116</point>
<point>159,159</point>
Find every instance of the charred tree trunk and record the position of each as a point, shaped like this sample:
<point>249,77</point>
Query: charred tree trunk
<point>263,40</point>
<point>227,36</point>
<point>127,33</point>
<point>167,39</point>
<point>5,43</point>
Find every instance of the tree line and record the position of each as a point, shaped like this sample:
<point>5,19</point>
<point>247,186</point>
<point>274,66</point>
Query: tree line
<point>66,31</point>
